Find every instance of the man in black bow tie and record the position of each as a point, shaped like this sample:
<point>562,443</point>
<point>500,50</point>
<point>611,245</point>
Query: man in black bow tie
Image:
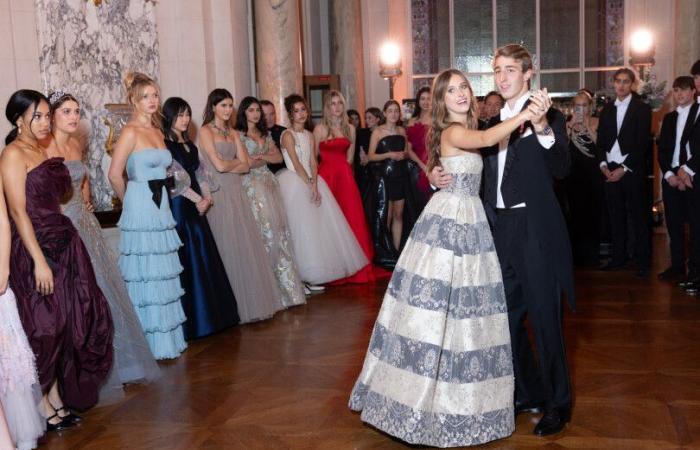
<point>673,155</point>
<point>531,241</point>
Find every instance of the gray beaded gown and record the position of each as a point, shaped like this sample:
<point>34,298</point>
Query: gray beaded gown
<point>133,360</point>
<point>438,370</point>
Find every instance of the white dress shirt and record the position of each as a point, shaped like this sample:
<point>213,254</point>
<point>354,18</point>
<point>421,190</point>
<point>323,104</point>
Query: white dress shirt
<point>546,141</point>
<point>615,154</point>
<point>687,169</point>
<point>680,125</point>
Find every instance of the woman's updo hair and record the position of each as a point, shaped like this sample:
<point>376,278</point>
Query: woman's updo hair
<point>289,103</point>
<point>58,98</point>
<point>18,104</point>
<point>135,84</point>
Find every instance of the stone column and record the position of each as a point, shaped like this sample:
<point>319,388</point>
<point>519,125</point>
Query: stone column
<point>687,36</point>
<point>278,51</point>
<point>345,23</point>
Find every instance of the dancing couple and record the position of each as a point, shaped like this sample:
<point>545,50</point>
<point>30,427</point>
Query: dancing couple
<point>449,361</point>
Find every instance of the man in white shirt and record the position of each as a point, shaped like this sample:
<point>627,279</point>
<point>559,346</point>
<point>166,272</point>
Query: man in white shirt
<point>531,241</point>
<point>687,174</point>
<point>624,132</point>
<point>673,154</point>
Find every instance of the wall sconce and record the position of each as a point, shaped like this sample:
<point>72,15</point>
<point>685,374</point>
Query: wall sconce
<point>642,50</point>
<point>390,64</point>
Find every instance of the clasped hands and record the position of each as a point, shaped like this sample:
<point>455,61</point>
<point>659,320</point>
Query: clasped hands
<point>682,181</point>
<point>612,176</point>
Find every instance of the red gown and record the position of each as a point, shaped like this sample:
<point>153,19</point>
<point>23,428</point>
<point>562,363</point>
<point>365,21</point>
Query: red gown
<point>417,135</point>
<point>337,173</point>
<point>71,330</point>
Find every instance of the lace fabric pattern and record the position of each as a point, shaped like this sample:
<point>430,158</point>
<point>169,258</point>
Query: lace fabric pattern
<point>439,370</point>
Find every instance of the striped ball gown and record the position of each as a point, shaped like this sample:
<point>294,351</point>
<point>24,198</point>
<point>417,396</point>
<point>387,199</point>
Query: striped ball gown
<point>438,370</point>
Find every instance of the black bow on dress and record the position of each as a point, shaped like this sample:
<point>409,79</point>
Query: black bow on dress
<point>156,186</point>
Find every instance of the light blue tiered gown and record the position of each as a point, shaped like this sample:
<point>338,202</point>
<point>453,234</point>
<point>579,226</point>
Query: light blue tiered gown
<point>148,259</point>
<point>438,370</point>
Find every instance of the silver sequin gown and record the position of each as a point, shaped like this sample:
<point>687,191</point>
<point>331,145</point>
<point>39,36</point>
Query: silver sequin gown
<point>133,360</point>
<point>263,191</point>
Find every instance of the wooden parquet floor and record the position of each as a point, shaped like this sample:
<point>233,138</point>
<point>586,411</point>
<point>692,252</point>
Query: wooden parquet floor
<point>633,348</point>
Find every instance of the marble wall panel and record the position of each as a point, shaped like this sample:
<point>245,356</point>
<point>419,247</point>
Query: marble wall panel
<point>86,50</point>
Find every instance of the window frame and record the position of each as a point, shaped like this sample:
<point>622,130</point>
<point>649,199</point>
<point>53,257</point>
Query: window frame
<point>582,69</point>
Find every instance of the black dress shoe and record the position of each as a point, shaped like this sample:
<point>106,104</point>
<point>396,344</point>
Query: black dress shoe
<point>688,282</point>
<point>528,407</point>
<point>552,422</point>
<point>671,273</point>
<point>692,288</point>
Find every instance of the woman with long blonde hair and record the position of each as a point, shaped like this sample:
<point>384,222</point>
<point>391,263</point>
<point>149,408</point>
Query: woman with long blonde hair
<point>438,370</point>
<point>335,146</point>
<point>148,259</point>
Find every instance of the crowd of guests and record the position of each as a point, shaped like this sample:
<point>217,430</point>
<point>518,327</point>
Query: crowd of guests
<point>255,217</point>
<point>245,223</point>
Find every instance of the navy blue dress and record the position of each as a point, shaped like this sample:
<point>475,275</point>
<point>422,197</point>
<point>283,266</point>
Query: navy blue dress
<point>209,303</point>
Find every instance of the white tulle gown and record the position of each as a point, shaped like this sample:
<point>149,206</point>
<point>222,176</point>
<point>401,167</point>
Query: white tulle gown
<point>20,392</point>
<point>325,248</point>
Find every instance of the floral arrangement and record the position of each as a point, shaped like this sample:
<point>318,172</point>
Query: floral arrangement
<point>651,90</point>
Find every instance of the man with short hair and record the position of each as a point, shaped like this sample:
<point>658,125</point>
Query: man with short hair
<point>673,154</point>
<point>270,116</point>
<point>493,102</point>
<point>687,174</point>
<point>623,142</point>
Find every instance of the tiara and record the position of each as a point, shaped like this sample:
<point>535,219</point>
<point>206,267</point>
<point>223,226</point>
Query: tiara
<point>56,96</point>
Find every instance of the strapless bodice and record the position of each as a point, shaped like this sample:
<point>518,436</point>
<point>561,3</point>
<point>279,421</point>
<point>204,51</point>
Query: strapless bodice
<point>391,143</point>
<point>466,173</point>
<point>148,164</point>
<point>334,147</point>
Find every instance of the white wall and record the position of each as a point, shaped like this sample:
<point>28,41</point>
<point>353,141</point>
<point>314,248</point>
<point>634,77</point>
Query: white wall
<point>203,45</point>
<point>19,54</point>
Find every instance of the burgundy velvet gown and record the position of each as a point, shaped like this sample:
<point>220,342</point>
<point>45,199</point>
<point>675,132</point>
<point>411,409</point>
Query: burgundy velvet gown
<point>71,330</point>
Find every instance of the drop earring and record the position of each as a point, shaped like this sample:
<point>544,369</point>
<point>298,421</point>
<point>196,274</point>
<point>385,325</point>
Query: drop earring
<point>19,129</point>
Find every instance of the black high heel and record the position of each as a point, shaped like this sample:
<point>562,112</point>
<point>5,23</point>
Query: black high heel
<point>60,426</point>
<point>70,417</point>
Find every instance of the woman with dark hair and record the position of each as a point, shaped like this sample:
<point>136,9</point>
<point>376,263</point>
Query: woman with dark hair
<point>265,200</point>
<point>335,146</point>
<point>63,312</point>
<point>324,247</point>
<point>133,360</point>
<point>354,118</point>
<point>231,220</point>
<point>394,202</point>
<point>149,243</point>
<point>439,368</point>
<point>209,303</point>
<point>417,135</point>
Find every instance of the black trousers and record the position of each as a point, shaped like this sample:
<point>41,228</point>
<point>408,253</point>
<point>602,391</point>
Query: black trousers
<point>532,293</point>
<point>676,209</point>
<point>626,201</point>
